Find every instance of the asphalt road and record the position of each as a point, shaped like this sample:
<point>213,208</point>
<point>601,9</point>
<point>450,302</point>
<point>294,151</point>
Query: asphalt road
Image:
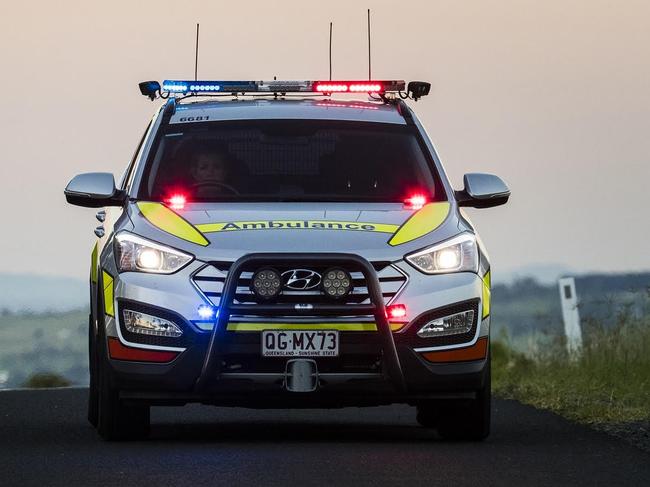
<point>46,441</point>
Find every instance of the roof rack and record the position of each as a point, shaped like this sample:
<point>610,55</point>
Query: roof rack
<point>415,90</point>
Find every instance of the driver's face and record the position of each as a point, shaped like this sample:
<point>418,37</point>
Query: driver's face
<point>209,167</point>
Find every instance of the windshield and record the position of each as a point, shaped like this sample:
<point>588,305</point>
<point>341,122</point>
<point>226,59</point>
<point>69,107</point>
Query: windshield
<point>289,160</point>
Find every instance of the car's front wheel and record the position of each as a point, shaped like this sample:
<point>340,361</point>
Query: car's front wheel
<point>93,394</point>
<point>115,420</point>
<point>118,421</point>
<point>461,419</point>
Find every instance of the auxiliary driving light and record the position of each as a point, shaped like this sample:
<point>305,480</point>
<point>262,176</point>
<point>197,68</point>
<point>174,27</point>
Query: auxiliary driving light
<point>455,324</point>
<point>337,283</point>
<point>145,324</point>
<point>266,284</point>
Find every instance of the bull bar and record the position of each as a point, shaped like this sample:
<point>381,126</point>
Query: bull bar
<point>211,369</point>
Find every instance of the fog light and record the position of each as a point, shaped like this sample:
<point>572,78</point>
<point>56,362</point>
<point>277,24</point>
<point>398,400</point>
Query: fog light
<point>337,283</point>
<point>266,284</point>
<point>455,324</point>
<point>145,324</point>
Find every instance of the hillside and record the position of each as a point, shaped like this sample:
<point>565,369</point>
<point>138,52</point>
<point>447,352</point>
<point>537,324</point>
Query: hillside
<point>527,307</point>
<point>45,342</point>
<point>30,292</point>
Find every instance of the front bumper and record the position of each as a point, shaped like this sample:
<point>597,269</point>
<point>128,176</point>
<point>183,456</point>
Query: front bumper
<point>224,367</point>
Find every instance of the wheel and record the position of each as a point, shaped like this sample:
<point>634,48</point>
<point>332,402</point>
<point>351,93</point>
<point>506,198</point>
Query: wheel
<point>93,395</point>
<point>115,420</point>
<point>468,420</point>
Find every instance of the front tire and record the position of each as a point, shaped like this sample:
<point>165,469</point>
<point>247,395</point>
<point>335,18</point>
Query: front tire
<point>93,393</point>
<point>115,420</point>
<point>461,420</point>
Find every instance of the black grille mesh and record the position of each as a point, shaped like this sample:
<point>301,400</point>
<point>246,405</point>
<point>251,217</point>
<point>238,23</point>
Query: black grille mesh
<point>210,281</point>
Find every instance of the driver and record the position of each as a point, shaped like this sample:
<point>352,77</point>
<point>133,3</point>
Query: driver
<point>209,171</point>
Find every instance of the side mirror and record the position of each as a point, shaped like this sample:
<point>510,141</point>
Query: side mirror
<point>93,190</point>
<point>483,191</point>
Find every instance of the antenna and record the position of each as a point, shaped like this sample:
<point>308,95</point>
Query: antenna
<point>330,51</point>
<point>196,55</point>
<point>369,58</point>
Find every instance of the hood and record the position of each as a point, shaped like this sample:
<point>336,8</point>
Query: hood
<point>226,231</point>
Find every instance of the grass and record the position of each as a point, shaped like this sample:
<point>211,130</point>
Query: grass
<point>608,383</point>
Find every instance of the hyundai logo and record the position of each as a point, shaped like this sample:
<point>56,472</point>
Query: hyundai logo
<point>301,279</point>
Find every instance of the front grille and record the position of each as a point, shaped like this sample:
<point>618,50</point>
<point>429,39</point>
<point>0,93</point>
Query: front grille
<point>211,278</point>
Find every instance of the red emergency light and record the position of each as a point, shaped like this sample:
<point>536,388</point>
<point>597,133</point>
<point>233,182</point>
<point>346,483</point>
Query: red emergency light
<point>396,311</point>
<point>176,201</point>
<point>348,87</point>
<point>415,201</point>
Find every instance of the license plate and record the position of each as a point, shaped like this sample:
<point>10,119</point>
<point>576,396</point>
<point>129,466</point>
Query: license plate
<point>300,343</point>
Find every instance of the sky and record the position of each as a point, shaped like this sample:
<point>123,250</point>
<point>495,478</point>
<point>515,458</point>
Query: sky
<point>552,96</point>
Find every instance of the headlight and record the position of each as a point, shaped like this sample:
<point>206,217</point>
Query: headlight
<point>454,255</point>
<point>136,254</point>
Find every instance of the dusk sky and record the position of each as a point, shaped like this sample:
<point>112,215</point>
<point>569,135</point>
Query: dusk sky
<point>552,96</point>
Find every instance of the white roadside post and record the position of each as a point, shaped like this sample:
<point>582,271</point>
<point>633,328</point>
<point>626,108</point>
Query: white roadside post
<point>570,315</point>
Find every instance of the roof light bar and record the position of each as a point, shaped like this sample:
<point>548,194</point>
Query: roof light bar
<point>325,87</point>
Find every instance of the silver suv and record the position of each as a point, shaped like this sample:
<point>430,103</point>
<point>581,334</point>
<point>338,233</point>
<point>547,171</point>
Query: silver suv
<point>289,249</point>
